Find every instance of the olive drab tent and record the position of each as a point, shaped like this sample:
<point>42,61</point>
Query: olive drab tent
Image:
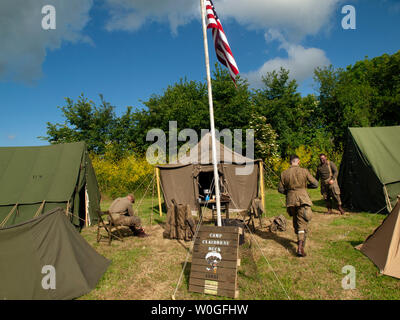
<point>37,179</point>
<point>369,176</point>
<point>46,258</point>
<point>382,246</point>
<point>187,180</point>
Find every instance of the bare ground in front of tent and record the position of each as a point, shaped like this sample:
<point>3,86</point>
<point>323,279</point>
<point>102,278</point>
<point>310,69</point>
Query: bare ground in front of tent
<point>150,268</point>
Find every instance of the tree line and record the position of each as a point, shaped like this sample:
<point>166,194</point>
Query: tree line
<point>364,94</point>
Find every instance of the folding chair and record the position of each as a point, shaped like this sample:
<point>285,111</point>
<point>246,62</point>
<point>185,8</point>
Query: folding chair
<point>108,226</point>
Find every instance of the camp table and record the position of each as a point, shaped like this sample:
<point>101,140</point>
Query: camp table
<point>213,204</point>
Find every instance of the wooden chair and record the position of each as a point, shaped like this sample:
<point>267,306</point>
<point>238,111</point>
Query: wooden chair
<point>108,226</point>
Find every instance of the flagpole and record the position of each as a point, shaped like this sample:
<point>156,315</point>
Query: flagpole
<point>211,106</point>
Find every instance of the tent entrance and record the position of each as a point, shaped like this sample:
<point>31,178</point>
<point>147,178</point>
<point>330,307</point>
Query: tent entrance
<point>206,184</point>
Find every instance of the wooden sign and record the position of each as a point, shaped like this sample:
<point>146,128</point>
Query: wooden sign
<point>215,261</point>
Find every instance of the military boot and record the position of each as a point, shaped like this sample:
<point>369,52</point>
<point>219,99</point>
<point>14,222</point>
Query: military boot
<point>341,210</point>
<point>329,207</point>
<point>141,234</point>
<point>300,249</point>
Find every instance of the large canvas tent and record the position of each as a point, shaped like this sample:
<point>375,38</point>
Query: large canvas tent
<point>28,251</point>
<point>37,179</point>
<point>369,175</point>
<point>186,180</point>
<point>382,246</point>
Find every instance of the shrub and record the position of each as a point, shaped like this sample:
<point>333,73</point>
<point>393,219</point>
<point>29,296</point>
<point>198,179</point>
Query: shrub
<point>120,177</point>
<point>309,159</point>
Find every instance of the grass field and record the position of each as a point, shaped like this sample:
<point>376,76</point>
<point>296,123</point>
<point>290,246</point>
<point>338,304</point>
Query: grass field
<point>150,268</point>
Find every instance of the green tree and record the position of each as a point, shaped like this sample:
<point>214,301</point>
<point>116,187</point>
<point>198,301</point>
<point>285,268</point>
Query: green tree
<point>265,139</point>
<point>366,94</point>
<point>84,121</point>
<point>292,116</point>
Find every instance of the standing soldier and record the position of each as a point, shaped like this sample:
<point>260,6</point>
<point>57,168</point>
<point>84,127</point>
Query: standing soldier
<point>122,213</point>
<point>328,172</point>
<point>294,183</point>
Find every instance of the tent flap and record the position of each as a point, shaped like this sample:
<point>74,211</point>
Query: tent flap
<point>383,244</point>
<point>370,167</point>
<point>29,250</point>
<point>56,174</point>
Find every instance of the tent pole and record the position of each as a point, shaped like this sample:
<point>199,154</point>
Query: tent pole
<point>86,207</point>
<point>389,205</point>
<point>261,173</point>
<point>158,190</point>
<point>211,107</point>
<point>67,209</point>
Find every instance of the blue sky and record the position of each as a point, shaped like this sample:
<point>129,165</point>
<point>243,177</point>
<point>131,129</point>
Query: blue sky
<point>130,49</point>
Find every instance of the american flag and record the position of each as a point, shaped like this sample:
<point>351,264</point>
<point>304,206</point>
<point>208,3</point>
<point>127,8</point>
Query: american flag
<point>222,49</point>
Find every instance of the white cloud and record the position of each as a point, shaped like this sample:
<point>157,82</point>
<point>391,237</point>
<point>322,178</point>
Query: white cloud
<point>131,15</point>
<point>300,61</point>
<point>294,18</point>
<point>23,41</point>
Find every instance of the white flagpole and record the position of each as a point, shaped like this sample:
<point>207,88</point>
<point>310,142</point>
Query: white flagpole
<point>210,102</point>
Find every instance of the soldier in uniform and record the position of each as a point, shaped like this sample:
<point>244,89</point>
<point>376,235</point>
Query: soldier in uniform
<point>122,213</point>
<point>294,183</point>
<point>328,172</point>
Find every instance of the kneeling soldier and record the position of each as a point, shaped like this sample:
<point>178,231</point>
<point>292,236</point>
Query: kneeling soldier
<point>294,183</point>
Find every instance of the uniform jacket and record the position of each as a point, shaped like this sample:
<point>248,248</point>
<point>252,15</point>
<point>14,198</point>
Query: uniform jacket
<point>326,175</point>
<point>121,206</point>
<point>294,183</point>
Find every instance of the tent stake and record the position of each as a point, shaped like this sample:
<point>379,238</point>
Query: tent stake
<point>40,209</point>
<point>3,223</point>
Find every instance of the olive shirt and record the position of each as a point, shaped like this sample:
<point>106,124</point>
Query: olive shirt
<point>121,206</point>
<point>123,214</point>
<point>294,183</point>
<point>326,175</point>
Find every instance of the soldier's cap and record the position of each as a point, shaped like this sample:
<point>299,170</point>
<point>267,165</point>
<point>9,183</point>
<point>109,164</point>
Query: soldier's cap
<point>293,157</point>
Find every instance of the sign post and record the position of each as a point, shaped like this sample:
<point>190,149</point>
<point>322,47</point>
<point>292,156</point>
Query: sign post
<point>215,253</point>
<point>215,261</point>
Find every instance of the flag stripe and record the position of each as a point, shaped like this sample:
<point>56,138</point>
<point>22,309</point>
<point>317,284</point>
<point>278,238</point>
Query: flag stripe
<point>221,44</point>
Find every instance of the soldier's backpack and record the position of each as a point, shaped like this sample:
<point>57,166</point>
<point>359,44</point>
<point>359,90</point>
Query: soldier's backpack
<point>278,224</point>
<point>180,225</point>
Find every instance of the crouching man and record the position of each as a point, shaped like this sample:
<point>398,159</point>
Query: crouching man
<point>294,183</point>
<point>123,215</point>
